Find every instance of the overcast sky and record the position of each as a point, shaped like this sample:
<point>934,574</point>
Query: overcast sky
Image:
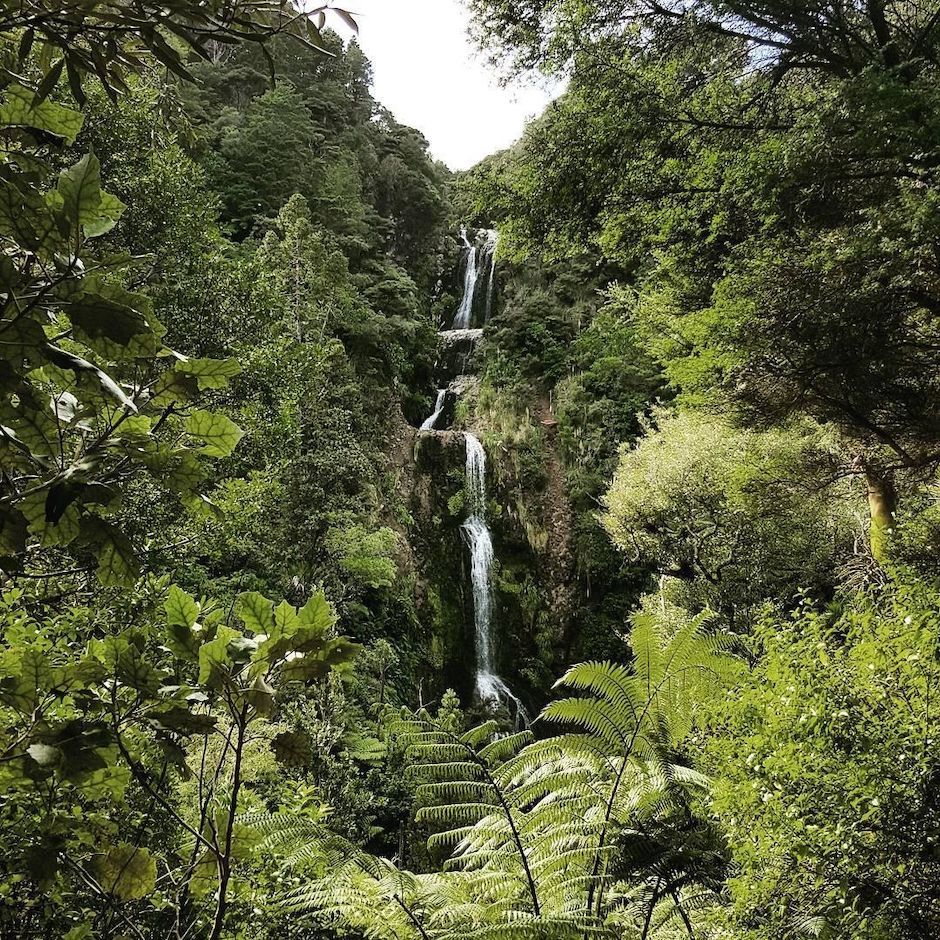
<point>428,74</point>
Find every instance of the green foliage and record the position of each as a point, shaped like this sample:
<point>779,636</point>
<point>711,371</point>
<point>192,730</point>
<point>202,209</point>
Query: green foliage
<point>825,771</point>
<point>733,517</point>
<point>528,827</point>
<point>117,38</point>
<point>92,397</point>
<point>108,728</point>
<point>368,558</point>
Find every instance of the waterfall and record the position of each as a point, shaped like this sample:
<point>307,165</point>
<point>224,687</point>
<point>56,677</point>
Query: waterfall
<point>431,420</point>
<point>457,344</point>
<point>465,310</point>
<point>491,246</point>
<point>478,262</point>
<point>490,687</point>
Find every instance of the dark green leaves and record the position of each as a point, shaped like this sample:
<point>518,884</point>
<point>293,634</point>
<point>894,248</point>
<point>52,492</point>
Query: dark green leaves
<point>293,748</point>
<point>85,381</point>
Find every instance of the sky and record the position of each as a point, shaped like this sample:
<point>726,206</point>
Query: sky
<point>430,76</point>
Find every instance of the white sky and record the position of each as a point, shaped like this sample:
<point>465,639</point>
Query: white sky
<point>430,76</point>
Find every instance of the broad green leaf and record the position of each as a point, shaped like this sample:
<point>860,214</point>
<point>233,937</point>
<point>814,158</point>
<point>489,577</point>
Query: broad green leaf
<point>181,609</point>
<point>214,658</point>
<point>80,188</point>
<point>182,720</point>
<point>317,613</point>
<point>34,508</point>
<point>110,209</point>
<point>245,839</point>
<point>83,202</point>
<point>118,565</point>
<point>256,612</point>
<point>126,871</point>
<point>82,367</point>
<point>205,876</point>
<point>133,669</point>
<point>20,108</point>
<point>293,748</point>
<point>286,620</point>
<point>113,329</point>
<point>25,674</point>
<point>210,373</point>
<point>219,433</point>
<point>317,664</point>
<point>261,697</point>
<point>173,387</point>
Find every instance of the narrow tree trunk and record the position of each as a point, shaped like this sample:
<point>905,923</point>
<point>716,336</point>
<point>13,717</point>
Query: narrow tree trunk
<point>881,504</point>
<point>224,860</point>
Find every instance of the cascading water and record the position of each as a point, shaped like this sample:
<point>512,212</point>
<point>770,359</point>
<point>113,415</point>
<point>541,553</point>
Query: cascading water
<point>465,310</point>
<point>431,420</point>
<point>491,254</point>
<point>490,687</point>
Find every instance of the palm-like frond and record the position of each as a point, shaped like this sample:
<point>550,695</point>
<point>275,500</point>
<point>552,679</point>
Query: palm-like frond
<point>552,838</point>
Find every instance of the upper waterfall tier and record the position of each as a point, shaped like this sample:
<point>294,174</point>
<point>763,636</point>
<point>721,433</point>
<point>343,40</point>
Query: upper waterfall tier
<point>479,266</point>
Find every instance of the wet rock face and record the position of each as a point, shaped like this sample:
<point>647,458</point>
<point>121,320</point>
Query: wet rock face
<point>458,354</point>
<point>439,452</point>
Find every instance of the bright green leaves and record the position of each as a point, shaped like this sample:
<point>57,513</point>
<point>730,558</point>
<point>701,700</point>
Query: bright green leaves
<point>293,644</point>
<point>22,108</point>
<point>215,662</point>
<point>147,705</point>
<point>820,762</point>
<point>220,435</point>
<point>210,373</point>
<point>181,609</point>
<point>256,612</point>
<point>126,871</point>
<point>182,612</point>
<point>84,204</point>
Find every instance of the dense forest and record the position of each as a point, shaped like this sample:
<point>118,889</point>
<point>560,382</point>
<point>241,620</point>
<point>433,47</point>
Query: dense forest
<point>542,550</point>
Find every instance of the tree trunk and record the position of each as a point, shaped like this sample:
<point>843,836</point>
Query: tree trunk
<point>882,502</point>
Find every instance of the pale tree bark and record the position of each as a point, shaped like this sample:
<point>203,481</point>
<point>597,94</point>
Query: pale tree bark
<point>882,503</point>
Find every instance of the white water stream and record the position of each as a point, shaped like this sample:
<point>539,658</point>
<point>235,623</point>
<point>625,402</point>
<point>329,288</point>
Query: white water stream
<point>465,310</point>
<point>490,687</point>
<point>431,420</point>
<point>479,261</point>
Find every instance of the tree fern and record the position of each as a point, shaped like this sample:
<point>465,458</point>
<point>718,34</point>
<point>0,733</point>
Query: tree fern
<point>585,833</point>
<point>636,716</point>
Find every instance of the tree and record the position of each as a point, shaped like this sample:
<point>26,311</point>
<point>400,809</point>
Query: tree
<point>783,251</point>
<point>734,518</point>
<point>111,40</point>
<point>789,34</point>
<point>91,397</point>
<point>269,155</point>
